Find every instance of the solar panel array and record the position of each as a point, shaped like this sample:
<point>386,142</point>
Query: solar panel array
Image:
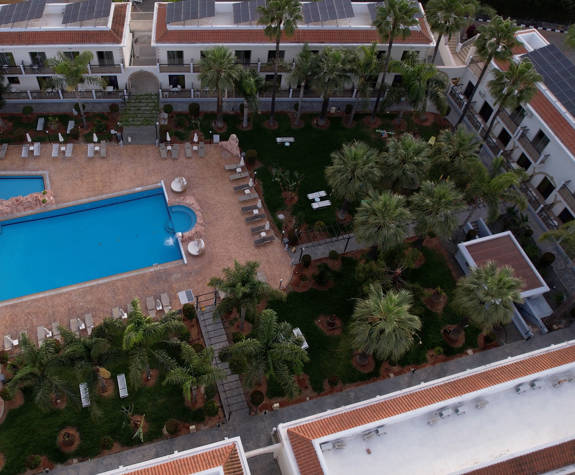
<point>247,11</point>
<point>16,12</point>
<point>558,74</point>
<point>326,10</point>
<point>190,10</point>
<point>372,7</point>
<point>89,10</point>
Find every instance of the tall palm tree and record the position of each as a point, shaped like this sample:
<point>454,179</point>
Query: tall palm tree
<point>496,40</point>
<point>302,74</point>
<point>446,17</point>
<point>250,84</point>
<point>405,161</point>
<point>382,220</point>
<point>330,74</point>
<point>383,325</point>
<point>393,19</point>
<point>364,66</point>
<point>272,351</point>
<point>219,71</point>
<point>486,296</point>
<point>279,17</point>
<point>570,37</point>
<point>354,171</point>
<point>565,236</point>
<point>434,207</point>
<point>194,373</point>
<point>451,153</point>
<point>243,289</point>
<point>513,87</point>
<point>71,72</point>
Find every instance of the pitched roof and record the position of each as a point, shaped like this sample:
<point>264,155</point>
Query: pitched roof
<point>301,436</point>
<point>71,37</point>
<point>256,35</point>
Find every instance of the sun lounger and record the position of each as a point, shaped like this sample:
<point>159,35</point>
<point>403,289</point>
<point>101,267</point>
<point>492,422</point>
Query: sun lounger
<point>25,150</point>
<point>150,305</point>
<point>264,240</point>
<point>55,150</point>
<point>317,194</point>
<point>320,204</point>
<point>159,305</point>
<point>166,302</point>
<point>71,125</point>
<point>202,149</point>
<point>261,229</point>
<point>3,150</point>
<point>103,150</point>
<point>56,331</point>
<point>130,308</point>
<point>69,150</point>
<point>186,296</point>
<point>255,217</point>
<point>40,124</point>
<point>116,313</point>
<point>90,150</point>
<point>232,166</point>
<point>10,343</point>
<point>239,176</point>
<point>175,151</point>
<point>248,197</point>
<point>244,186</point>
<point>89,323</point>
<point>188,150</point>
<point>42,333</point>
<point>255,208</point>
<point>84,394</point>
<point>75,326</point>
<point>122,386</point>
<point>37,149</point>
<point>163,151</point>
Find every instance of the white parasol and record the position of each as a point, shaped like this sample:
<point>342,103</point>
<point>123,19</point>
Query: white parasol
<point>28,138</point>
<point>168,138</point>
<point>60,138</point>
<point>94,138</point>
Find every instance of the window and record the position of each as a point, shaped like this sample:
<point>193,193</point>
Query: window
<point>110,81</point>
<point>565,216</point>
<point>269,79</point>
<point>518,115</point>
<point>45,82</point>
<point>485,111</point>
<point>540,141</point>
<point>469,89</point>
<point>177,80</point>
<point>504,137</point>
<point>524,162</point>
<point>7,59</point>
<point>13,80</point>
<point>71,55</point>
<point>105,58</point>
<point>545,187</point>
<point>175,57</point>
<point>272,55</point>
<point>410,55</point>
<point>38,59</point>
<point>243,56</point>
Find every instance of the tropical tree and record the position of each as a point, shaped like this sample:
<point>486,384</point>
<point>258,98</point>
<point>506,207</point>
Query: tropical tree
<point>513,87</point>
<point>364,65</point>
<point>302,74</point>
<point>446,17</point>
<point>71,72</point>
<point>565,235</point>
<point>280,17</point>
<point>194,373</point>
<point>273,351</point>
<point>355,170</point>
<point>383,325</point>
<point>451,154</point>
<point>486,296</point>
<point>496,40</point>
<point>405,161</point>
<point>243,289</point>
<point>219,71</point>
<point>570,37</point>
<point>330,74</point>
<point>382,220</point>
<point>434,207</point>
<point>393,19</point>
<point>141,336</point>
<point>250,84</point>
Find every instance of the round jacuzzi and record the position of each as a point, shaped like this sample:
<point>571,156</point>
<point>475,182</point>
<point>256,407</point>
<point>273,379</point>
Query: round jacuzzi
<point>184,218</point>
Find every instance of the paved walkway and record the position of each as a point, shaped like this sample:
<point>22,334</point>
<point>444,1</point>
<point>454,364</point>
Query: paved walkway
<point>230,388</point>
<point>255,431</point>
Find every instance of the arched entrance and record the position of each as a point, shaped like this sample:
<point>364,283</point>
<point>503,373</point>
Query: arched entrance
<point>143,82</point>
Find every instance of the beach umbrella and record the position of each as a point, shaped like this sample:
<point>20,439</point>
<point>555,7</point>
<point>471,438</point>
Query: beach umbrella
<point>168,138</point>
<point>251,183</point>
<point>60,138</point>
<point>259,205</point>
<point>242,163</point>
<point>28,138</point>
<point>94,137</point>
<point>195,136</point>
<point>267,226</point>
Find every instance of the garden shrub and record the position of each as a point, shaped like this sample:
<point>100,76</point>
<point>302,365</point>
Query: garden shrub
<point>546,259</point>
<point>319,226</point>
<point>274,388</point>
<point>237,336</point>
<point>333,255</point>
<point>197,415</point>
<point>256,398</point>
<point>184,334</point>
<point>321,277</point>
<point>438,350</point>
<point>181,121</point>
<point>27,110</point>
<point>211,391</point>
<point>114,108</point>
<point>168,108</point>
<point>74,134</point>
<point>172,426</point>
<point>194,110</point>
<point>198,347</point>
<point>211,408</point>
<point>292,237</point>
<point>333,381</point>
<point>107,442</point>
<point>251,157</point>
<point>100,127</point>
<point>3,357</point>
<point>189,311</point>
<point>33,461</point>
<point>306,260</point>
<point>6,394</point>
<point>181,134</point>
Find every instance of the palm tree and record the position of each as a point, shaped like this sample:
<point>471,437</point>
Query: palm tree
<point>405,162</point>
<point>486,296</point>
<point>219,71</point>
<point>570,37</point>
<point>141,335</point>
<point>382,220</point>
<point>496,40</point>
<point>71,72</point>
<point>513,87</point>
<point>382,325</point>
<point>365,66</point>
<point>434,207</point>
<point>393,18</point>
<point>194,373</point>
<point>274,351</point>
<point>302,74</point>
<point>330,74</point>
<point>354,171</point>
<point>279,17</point>
<point>249,85</point>
<point>565,236</point>
<point>452,152</point>
<point>446,17</point>
<point>243,289</point>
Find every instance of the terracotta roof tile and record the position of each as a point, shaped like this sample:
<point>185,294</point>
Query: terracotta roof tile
<point>301,436</point>
<point>70,37</point>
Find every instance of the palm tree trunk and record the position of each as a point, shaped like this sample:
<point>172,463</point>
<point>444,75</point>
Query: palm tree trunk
<point>382,85</point>
<point>81,106</point>
<point>245,122</point>
<point>468,103</point>
<point>298,113</point>
<point>242,317</point>
<point>353,110</point>
<point>468,217</point>
<point>436,49</point>
<point>486,136</point>
<point>323,113</point>
<point>219,110</point>
<point>274,85</point>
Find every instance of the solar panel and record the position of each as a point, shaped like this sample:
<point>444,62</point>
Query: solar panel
<point>23,11</point>
<point>247,10</point>
<point>190,10</point>
<point>558,74</point>
<point>326,10</point>
<point>88,10</point>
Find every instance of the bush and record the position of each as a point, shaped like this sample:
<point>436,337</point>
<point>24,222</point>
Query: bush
<point>211,408</point>
<point>194,110</point>
<point>256,398</point>
<point>100,127</point>
<point>323,274</point>
<point>211,391</point>
<point>189,311</point>
<point>107,442</point>
<point>292,237</point>
<point>181,134</point>
<point>438,350</point>
<point>114,108</point>
<point>251,157</point>
<point>184,334</point>
<point>198,347</point>
<point>274,388</point>
<point>33,461</point>
<point>181,122</point>
<point>237,336</point>
<point>319,227</point>
<point>172,426</point>
<point>546,259</point>
<point>333,255</point>
<point>168,108</point>
<point>74,134</point>
<point>306,260</point>
<point>3,357</point>
<point>27,110</point>
<point>333,381</point>
<point>6,394</point>
<point>198,415</point>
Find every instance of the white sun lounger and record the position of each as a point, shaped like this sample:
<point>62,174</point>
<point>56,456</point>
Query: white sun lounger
<point>10,343</point>
<point>55,150</point>
<point>202,149</point>
<point>76,324</point>
<point>122,386</point>
<point>317,194</point>
<point>188,150</point>
<point>233,166</point>
<point>239,176</point>
<point>151,306</point>
<point>89,323</point>
<point>3,150</point>
<point>84,394</point>
<point>71,125</point>
<point>163,151</point>
<point>248,197</point>
<point>175,151</point>
<point>56,331</point>
<point>42,333</point>
<point>40,124</point>
<point>320,204</point>
<point>116,314</point>
<point>69,150</point>
<point>25,150</point>
<point>166,302</point>
<point>37,149</point>
<point>103,150</point>
<point>255,217</point>
<point>90,150</point>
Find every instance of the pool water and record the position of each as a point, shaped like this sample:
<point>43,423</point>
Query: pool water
<point>11,186</point>
<point>79,243</point>
<point>184,218</point>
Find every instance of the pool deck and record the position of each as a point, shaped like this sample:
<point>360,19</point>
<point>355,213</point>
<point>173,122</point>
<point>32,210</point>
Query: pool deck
<point>226,235</point>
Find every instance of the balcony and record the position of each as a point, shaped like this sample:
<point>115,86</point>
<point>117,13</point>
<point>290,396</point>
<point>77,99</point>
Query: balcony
<point>175,68</point>
<point>269,67</point>
<point>106,68</point>
<point>457,97</point>
<point>529,148</point>
<point>38,69</point>
<point>511,122</point>
<point>568,196</point>
<point>537,203</point>
<point>8,69</point>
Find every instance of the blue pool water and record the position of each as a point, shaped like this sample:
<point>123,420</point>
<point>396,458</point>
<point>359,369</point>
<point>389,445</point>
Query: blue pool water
<point>79,243</point>
<point>184,218</point>
<point>11,186</point>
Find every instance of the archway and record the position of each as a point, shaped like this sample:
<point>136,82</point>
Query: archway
<point>143,82</point>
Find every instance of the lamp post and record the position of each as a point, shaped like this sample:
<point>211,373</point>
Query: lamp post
<point>157,134</point>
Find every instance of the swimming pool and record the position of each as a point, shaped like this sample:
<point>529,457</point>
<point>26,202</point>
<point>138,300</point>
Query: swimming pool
<point>11,186</point>
<point>79,243</point>
<point>184,218</point>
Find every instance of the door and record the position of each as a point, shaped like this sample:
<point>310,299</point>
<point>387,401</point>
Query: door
<point>175,57</point>
<point>243,56</point>
<point>545,187</point>
<point>485,112</point>
<point>38,59</point>
<point>540,141</point>
<point>105,58</point>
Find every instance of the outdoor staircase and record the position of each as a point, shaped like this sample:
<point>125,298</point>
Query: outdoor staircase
<point>140,110</point>
<point>230,387</point>
<point>462,54</point>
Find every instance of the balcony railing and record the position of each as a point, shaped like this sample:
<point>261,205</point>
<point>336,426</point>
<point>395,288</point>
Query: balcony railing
<point>10,69</point>
<point>269,67</point>
<point>58,95</point>
<point>38,69</point>
<point>176,68</point>
<point>568,196</point>
<point>509,121</point>
<point>457,97</point>
<point>529,148</point>
<point>105,68</point>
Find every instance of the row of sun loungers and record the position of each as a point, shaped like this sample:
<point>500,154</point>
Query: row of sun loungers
<point>34,148</point>
<point>173,150</point>
<point>66,149</point>
<point>200,148</point>
<point>154,305</point>
<point>100,148</point>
